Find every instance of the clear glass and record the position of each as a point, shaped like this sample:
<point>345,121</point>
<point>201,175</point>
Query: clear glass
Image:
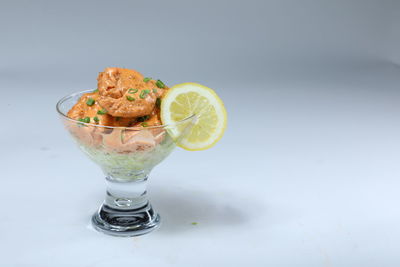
<point>126,155</point>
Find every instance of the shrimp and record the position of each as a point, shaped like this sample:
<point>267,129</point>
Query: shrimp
<point>126,93</point>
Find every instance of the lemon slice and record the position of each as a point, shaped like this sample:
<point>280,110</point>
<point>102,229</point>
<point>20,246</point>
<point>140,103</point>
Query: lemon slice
<point>186,99</point>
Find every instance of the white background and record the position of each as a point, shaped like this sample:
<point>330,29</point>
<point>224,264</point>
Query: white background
<point>306,175</point>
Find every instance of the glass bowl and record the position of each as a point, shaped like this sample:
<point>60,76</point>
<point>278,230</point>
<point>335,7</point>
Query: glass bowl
<point>126,155</point>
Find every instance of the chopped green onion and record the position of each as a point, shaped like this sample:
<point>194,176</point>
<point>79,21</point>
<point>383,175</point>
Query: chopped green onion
<point>96,119</point>
<point>144,124</point>
<point>146,79</point>
<point>132,91</point>
<point>194,223</point>
<point>144,93</point>
<point>102,111</point>
<point>95,91</point>
<point>90,101</point>
<point>155,90</point>
<point>160,84</point>
<point>117,118</point>
<point>130,98</point>
<point>144,118</point>
<point>86,119</point>
<point>158,102</point>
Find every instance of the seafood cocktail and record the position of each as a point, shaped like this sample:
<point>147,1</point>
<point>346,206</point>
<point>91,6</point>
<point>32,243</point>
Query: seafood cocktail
<point>128,125</point>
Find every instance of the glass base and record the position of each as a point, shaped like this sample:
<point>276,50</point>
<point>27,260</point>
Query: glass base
<point>126,222</point>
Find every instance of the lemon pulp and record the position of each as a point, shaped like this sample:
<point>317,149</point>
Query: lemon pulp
<point>184,100</point>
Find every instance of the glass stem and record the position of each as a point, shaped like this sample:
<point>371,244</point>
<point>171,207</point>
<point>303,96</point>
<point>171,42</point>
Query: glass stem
<point>126,195</point>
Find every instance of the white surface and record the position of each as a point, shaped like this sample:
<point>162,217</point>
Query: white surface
<point>307,175</point>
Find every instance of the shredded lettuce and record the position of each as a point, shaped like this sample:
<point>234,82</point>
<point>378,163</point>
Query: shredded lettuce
<point>129,166</point>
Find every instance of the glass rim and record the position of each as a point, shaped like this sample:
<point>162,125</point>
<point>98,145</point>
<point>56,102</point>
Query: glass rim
<point>137,128</point>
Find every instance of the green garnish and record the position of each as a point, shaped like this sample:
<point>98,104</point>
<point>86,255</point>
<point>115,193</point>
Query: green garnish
<point>160,84</point>
<point>144,118</point>
<point>130,98</point>
<point>95,91</point>
<point>90,101</point>
<point>144,93</point>
<point>144,124</point>
<point>86,119</point>
<point>155,90</point>
<point>194,223</point>
<point>117,118</point>
<point>96,119</point>
<point>158,102</point>
<point>102,111</point>
<point>146,79</point>
<point>132,91</point>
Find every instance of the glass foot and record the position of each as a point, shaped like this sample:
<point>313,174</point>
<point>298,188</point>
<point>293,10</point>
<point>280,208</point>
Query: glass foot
<point>126,222</point>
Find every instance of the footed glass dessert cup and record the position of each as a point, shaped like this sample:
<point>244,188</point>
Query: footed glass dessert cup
<point>126,155</point>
